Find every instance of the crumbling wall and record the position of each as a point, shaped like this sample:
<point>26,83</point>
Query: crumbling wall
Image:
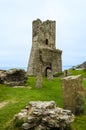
<point>13,77</point>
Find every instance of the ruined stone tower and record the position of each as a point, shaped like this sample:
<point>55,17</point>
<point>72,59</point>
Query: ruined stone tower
<point>44,54</point>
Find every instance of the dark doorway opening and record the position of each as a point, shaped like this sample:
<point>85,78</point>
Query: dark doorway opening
<point>46,70</point>
<point>46,41</point>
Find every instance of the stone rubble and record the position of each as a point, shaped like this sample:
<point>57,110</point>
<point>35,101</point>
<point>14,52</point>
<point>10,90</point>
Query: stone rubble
<point>44,115</point>
<point>13,77</point>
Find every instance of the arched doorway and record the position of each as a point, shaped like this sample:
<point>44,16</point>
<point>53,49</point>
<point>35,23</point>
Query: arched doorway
<point>46,70</point>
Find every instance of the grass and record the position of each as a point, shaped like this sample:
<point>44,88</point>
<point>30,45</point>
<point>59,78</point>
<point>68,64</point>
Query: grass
<point>18,98</point>
<point>77,72</point>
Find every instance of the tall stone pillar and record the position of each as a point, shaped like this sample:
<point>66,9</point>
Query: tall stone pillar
<point>39,80</point>
<point>73,94</point>
<point>39,71</point>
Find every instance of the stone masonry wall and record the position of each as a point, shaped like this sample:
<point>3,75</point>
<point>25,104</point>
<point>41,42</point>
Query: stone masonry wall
<point>43,37</point>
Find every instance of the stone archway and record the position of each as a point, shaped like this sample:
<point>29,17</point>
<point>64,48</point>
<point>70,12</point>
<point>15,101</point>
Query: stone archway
<point>47,68</point>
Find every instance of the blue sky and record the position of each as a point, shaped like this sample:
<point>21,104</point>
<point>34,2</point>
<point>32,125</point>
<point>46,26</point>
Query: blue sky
<point>16,18</point>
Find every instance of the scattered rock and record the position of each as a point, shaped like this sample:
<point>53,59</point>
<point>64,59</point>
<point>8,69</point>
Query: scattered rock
<point>45,115</point>
<point>65,73</point>
<point>2,104</point>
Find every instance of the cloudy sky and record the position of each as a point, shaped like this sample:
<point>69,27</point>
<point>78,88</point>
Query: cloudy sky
<point>16,18</point>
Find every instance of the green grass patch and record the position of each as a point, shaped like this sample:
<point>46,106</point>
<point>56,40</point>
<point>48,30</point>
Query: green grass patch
<point>78,72</point>
<point>18,98</point>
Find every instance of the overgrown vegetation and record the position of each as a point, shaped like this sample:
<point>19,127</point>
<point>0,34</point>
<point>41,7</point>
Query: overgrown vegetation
<point>18,98</point>
<point>58,74</point>
<point>77,72</point>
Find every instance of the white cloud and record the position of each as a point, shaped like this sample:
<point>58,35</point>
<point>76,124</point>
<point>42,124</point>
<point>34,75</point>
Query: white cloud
<point>16,18</point>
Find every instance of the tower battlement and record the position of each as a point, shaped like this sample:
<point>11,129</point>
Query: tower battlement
<point>45,31</point>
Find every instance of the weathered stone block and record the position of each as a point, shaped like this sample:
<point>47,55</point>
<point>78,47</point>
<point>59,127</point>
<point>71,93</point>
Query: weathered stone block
<point>49,74</point>
<point>73,94</point>
<point>39,80</point>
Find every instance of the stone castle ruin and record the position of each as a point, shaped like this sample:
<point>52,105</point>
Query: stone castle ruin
<point>44,55</point>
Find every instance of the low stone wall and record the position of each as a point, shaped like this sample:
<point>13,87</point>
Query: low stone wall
<point>44,116</point>
<point>73,94</point>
